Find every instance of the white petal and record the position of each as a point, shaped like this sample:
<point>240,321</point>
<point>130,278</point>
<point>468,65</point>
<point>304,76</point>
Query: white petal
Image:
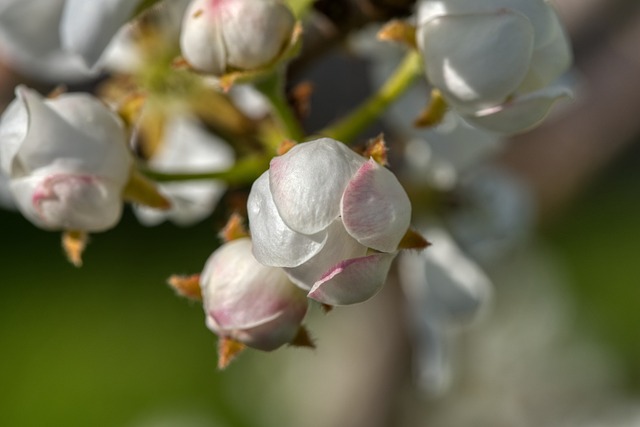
<point>340,246</point>
<point>87,27</point>
<point>538,12</point>
<point>255,32</point>
<point>68,202</point>
<point>521,113</point>
<point>477,61</point>
<point>274,243</point>
<point>307,183</point>
<point>441,282</point>
<point>201,40</point>
<point>375,209</point>
<point>353,281</point>
<point>77,129</point>
<point>13,129</point>
<point>548,61</point>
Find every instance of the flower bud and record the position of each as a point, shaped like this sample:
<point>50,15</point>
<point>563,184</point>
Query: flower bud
<point>493,60</point>
<point>318,209</point>
<point>248,302</point>
<point>66,160</point>
<point>222,35</point>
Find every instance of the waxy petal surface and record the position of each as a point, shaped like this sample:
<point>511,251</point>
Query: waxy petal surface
<point>522,113</point>
<point>477,61</point>
<point>376,210</point>
<point>353,281</point>
<point>308,181</point>
<point>274,243</point>
<point>339,246</point>
<point>87,27</point>
<point>201,40</point>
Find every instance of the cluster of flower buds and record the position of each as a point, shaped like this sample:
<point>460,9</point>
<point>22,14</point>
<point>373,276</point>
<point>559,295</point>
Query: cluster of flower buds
<point>326,223</point>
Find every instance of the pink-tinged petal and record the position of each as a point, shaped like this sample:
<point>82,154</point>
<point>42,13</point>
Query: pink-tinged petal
<point>308,181</point>
<point>339,246</point>
<point>68,202</point>
<point>274,243</point>
<point>376,210</point>
<point>201,40</point>
<point>353,281</point>
<point>477,61</point>
<point>521,113</point>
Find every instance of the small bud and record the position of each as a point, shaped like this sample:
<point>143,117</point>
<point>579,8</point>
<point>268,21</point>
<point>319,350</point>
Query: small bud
<point>219,36</point>
<point>248,302</point>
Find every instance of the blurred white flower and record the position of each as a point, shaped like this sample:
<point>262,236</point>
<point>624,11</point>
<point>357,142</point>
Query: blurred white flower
<point>249,302</point>
<point>60,39</point>
<point>445,290</point>
<point>187,147</point>
<point>318,209</point>
<point>494,60</point>
<point>223,35</point>
<point>66,159</point>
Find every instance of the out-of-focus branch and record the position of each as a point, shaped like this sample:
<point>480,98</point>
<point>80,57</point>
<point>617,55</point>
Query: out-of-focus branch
<point>559,158</point>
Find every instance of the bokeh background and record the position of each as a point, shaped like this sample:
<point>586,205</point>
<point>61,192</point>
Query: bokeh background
<point>110,344</point>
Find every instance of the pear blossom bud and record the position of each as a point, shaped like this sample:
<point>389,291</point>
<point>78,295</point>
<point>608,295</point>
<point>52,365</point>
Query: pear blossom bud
<point>318,210</point>
<point>222,35</point>
<point>493,60</point>
<point>66,160</point>
<point>249,302</point>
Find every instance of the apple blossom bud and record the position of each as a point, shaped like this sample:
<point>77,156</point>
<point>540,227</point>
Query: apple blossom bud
<point>222,35</point>
<point>66,160</point>
<point>317,211</point>
<point>248,302</point>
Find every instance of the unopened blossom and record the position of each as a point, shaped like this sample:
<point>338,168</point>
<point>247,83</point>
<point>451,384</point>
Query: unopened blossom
<point>249,302</point>
<point>225,35</point>
<point>66,160</point>
<point>331,218</point>
<point>494,61</point>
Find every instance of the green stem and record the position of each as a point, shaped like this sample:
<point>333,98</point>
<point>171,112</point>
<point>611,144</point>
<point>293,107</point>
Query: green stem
<point>348,128</point>
<point>244,172</point>
<point>273,88</point>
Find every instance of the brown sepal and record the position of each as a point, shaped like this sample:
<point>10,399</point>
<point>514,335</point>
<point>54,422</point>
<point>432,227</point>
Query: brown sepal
<point>399,32</point>
<point>326,308</point>
<point>233,229</point>
<point>228,350</point>
<point>74,243</point>
<point>300,97</point>
<point>377,149</point>
<point>413,240</point>
<point>285,146</point>
<point>57,91</point>
<point>303,339</point>
<point>434,111</point>
<point>142,190</point>
<point>186,286</point>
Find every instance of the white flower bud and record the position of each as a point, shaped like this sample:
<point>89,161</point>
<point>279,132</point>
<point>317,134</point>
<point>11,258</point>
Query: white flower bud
<point>317,210</point>
<point>249,302</point>
<point>222,35</point>
<point>493,60</point>
<point>66,160</point>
